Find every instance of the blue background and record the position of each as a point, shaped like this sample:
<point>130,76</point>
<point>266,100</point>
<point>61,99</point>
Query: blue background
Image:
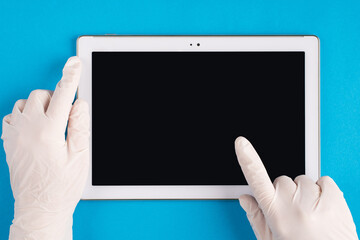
<point>36,38</point>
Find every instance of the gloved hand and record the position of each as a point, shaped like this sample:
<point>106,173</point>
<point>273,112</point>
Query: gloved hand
<point>286,209</point>
<point>47,171</point>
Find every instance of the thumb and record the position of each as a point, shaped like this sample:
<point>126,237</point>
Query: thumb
<point>255,217</point>
<point>78,128</point>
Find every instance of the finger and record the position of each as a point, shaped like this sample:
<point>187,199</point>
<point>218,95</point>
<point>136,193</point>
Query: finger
<point>308,192</point>
<point>7,130</point>
<point>5,127</point>
<point>255,217</point>
<point>285,186</point>
<point>78,128</point>
<point>64,94</point>
<point>7,119</point>
<point>329,189</point>
<point>17,111</point>
<point>37,102</point>
<point>254,172</point>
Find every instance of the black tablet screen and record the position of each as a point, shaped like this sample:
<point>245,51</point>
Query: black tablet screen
<point>171,118</point>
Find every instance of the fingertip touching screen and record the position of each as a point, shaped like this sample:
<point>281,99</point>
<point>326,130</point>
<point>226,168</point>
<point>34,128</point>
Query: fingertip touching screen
<point>171,118</point>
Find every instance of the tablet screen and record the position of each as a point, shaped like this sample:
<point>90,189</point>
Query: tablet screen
<point>171,118</point>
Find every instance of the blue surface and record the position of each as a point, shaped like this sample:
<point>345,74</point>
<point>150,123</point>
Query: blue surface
<point>36,38</point>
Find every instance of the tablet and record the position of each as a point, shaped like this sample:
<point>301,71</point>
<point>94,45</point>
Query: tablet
<point>166,110</point>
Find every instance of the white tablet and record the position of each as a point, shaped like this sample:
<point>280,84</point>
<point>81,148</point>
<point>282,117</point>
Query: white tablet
<point>166,110</point>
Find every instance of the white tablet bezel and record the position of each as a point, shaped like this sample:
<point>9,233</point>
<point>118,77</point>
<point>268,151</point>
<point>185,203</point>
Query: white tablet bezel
<point>309,44</point>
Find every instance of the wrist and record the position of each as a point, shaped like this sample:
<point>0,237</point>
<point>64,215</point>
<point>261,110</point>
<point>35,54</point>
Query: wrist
<point>39,224</point>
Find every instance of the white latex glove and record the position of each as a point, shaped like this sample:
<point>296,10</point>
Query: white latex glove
<point>47,171</point>
<point>286,209</point>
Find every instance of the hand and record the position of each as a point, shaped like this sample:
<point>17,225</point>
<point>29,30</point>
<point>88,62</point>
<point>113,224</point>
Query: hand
<point>286,209</point>
<point>47,171</point>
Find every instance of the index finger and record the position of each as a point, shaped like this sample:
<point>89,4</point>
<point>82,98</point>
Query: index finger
<point>64,94</point>
<point>254,172</point>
